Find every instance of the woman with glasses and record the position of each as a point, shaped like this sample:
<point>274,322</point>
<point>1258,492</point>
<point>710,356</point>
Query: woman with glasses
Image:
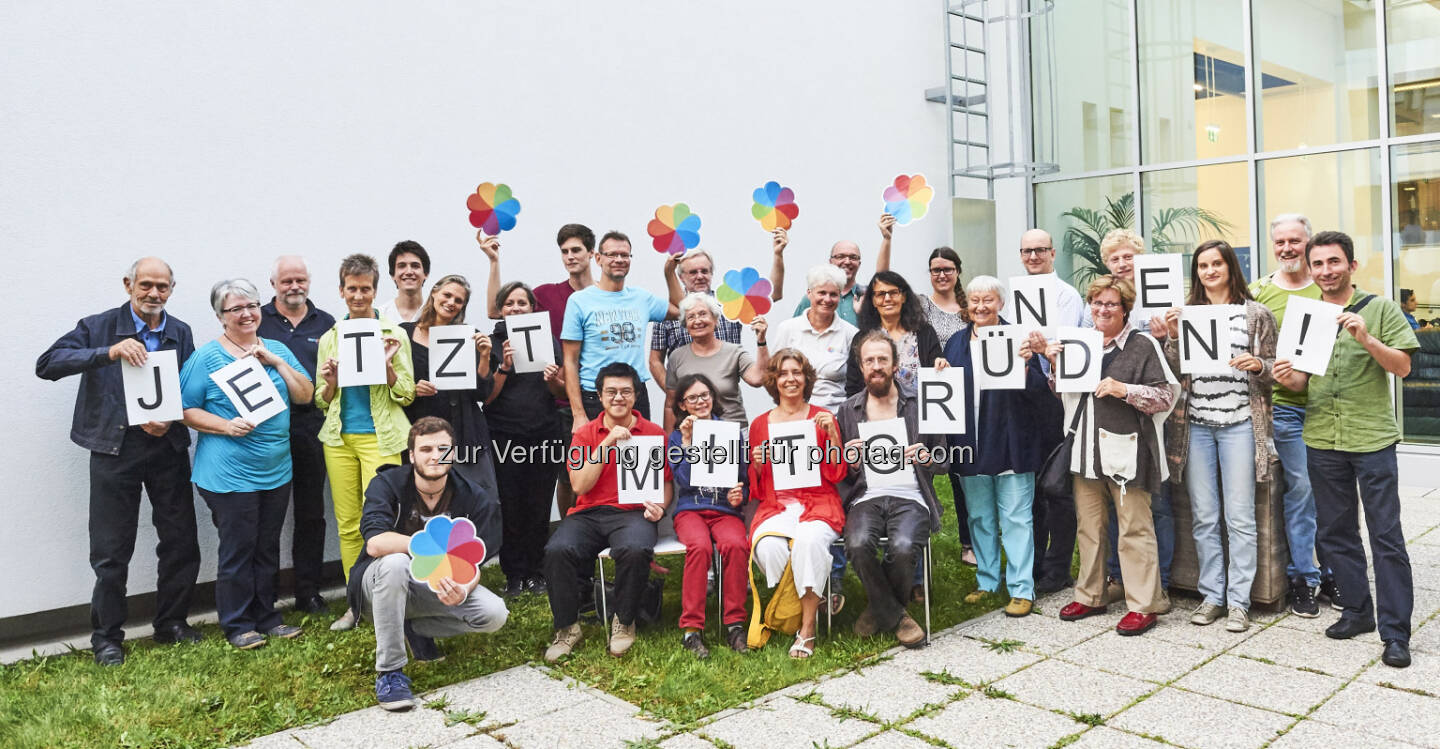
<point>1222,427</point>
<point>706,519</point>
<point>242,469</point>
<point>945,306</point>
<point>724,364</point>
<point>891,307</point>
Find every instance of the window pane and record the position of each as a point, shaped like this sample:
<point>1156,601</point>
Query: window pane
<point>1317,87</point>
<point>1078,213</point>
<point>1192,79</point>
<point>1335,191</point>
<point>1085,64</point>
<point>1412,30</point>
<point>1184,207</point>
<point>1416,170</point>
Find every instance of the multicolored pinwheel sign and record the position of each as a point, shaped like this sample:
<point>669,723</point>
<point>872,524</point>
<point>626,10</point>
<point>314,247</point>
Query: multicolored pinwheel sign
<point>774,206</point>
<point>446,548</point>
<point>675,229</point>
<point>744,295</point>
<point>492,208</point>
<point>908,198</point>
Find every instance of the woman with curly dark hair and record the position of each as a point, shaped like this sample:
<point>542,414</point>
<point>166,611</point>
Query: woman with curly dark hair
<point>892,307</point>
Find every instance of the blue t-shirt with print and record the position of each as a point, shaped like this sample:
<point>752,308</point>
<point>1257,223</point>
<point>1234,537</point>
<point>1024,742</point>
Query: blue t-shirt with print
<point>611,327</point>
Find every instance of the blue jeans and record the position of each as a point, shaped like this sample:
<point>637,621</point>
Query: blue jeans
<point>1164,519</point>
<point>1230,453</point>
<point>1299,501</point>
<point>1000,512</point>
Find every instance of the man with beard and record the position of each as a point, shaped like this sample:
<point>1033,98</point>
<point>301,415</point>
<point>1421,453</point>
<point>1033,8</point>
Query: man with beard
<point>1350,441</point>
<point>906,513</point>
<point>292,319</point>
<point>1289,233</point>
<point>398,503</point>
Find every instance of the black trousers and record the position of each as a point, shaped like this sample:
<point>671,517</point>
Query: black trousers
<point>1054,535</point>
<point>593,406</point>
<point>307,546</point>
<point>248,524</point>
<point>962,515</point>
<point>115,483</point>
<point>1333,478</point>
<point>525,487</point>
<point>572,551</point>
<point>906,523</point>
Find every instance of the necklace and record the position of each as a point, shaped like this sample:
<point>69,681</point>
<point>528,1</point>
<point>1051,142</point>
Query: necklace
<point>227,337</point>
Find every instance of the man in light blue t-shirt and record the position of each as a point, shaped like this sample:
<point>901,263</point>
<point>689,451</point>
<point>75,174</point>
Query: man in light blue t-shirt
<point>606,323</point>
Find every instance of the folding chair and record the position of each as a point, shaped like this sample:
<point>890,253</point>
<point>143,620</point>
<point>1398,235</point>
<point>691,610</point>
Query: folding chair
<point>666,544</point>
<point>924,584</point>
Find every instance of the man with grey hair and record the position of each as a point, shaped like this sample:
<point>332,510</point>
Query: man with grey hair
<point>1289,234</point>
<point>292,319</point>
<point>123,458</point>
<point>844,255</point>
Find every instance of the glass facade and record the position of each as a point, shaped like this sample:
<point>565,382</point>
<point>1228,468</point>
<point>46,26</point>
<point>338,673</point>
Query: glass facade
<point>1196,119</point>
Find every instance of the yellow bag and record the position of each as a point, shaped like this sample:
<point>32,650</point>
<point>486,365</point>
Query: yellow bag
<point>782,614</point>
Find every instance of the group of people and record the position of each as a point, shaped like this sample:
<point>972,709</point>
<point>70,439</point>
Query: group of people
<point>399,453</point>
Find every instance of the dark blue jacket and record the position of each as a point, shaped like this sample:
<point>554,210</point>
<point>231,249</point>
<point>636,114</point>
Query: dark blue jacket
<point>1007,430</point>
<point>303,340</point>
<point>689,497</point>
<point>99,421</point>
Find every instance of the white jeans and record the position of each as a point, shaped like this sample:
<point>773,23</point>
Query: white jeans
<point>809,559</point>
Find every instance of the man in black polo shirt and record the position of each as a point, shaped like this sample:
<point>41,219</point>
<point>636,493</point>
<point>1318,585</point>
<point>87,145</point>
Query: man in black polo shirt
<point>123,458</point>
<point>292,319</point>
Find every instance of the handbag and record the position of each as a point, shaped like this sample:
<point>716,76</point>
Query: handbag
<point>1054,476</point>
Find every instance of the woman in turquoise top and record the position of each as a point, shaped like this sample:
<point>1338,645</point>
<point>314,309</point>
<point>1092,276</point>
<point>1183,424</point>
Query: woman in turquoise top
<point>242,469</point>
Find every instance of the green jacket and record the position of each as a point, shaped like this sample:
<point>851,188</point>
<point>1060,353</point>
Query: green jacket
<point>392,428</point>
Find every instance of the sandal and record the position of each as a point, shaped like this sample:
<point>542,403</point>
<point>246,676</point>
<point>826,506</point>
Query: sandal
<point>799,651</point>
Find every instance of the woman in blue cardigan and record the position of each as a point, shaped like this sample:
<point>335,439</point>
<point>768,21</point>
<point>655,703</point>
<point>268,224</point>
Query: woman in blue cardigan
<point>999,474</point>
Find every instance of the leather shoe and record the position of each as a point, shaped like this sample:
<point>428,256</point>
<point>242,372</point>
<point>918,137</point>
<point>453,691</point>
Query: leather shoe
<point>1135,623</point>
<point>865,626</point>
<point>169,634</point>
<point>1075,611</point>
<point>109,654</point>
<point>1344,628</point>
<point>1397,654</point>
<point>311,604</point>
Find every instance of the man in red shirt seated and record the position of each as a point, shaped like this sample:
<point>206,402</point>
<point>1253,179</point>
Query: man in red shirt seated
<point>600,520</point>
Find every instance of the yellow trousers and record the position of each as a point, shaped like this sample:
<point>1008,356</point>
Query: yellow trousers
<point>350,468</point>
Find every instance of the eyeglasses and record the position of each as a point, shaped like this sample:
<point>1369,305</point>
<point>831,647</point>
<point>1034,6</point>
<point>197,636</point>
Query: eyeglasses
<point>1035,250</point>
<point>942,271</point>
<point>617,255</point>
<point>889,294</point>
<point>846,256</point>
<point>1108,306</point>
<point>611,394</point>
<point>251,307</point>
<point>697,399</point>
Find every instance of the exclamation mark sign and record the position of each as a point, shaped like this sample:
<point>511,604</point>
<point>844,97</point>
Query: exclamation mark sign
<point>1304,327</point>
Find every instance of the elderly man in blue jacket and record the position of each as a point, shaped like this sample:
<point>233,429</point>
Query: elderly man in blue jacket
<point>124,458</point>
<point>398,503</point>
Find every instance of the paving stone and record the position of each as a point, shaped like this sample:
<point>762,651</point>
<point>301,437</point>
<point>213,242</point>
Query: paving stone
<point>886,691</point>
<point>1077,690</point>
<point>1318,624</point>
<point>1040,634</point>
<point>1426,638</point>
<point>978,720</point>
<point>1195,720</point>
<point>686,741</point>
<point>1104,737</point>
<point>593,722</point>
<point>1309,734</point>
<point>1422,674</point>
<point>1146,658</point>
<point>282,740</point>
<point>511,695</point>
<point>964,658</point>
<point>374,727</point>
<point>479,741</point>
<point>1254,683</point>
<point>786,723</point>
<point>1289,647</point>
<point>1176,627</point>
<point>1390,713</point>
<point>1427,600</point>
<point>893,740</point>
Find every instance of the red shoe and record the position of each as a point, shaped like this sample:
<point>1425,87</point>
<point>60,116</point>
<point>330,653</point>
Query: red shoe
<point>1135,623</point>
<point>1076,610</point>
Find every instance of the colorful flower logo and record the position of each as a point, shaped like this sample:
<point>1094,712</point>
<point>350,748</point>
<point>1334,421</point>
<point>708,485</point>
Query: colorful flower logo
<point>744,295</point>
<point>675,229</point>
<point>908,199</point>
<point>774,206</point>
<point>446,548</point>
<point>492,208</point>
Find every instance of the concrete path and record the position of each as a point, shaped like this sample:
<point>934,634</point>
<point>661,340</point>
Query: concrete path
<point>992,681</point>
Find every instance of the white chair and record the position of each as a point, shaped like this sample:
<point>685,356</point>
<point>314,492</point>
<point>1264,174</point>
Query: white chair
<point>666,544</point>
<point>924,584</point>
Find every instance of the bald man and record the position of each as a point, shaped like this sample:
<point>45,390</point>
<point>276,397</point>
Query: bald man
<point>1037,254</point>
<point>124,458</point>
<point>292,319</point>
<point>844,255</point>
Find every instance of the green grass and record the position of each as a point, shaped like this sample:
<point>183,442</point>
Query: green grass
<point>211,695</point>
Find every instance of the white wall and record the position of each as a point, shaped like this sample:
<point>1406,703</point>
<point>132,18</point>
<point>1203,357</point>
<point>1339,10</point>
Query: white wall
<point>221,135</point>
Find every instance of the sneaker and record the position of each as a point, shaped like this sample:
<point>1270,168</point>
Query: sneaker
<point>693,642</point>
<point>284,631</point>
<point>535,585</point>
<point>513,587</point>
<point>1238,621</point>
<point>1302,599</point>
<point>976,596</point>
<point>1329,591</point>
<point>392,691</point>
<point>1206,614</point>
<point>563,643</point>
<point>345,623</point>
<point>422,648</point>
<point>622,636</point>
<point>910,633</point>
<point>247,640</point>
<point>1135,623</point>
<point>176,632</point>
<point>1019,607</point>
<point>737,639</point>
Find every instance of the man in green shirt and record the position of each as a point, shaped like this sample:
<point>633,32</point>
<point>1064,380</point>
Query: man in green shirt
<point>844,255</point>
<point>1289,234</point>
<point>1350,436</point>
